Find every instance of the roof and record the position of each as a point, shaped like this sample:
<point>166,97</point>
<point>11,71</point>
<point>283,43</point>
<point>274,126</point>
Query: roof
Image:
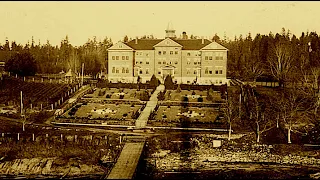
<point>187,44</point>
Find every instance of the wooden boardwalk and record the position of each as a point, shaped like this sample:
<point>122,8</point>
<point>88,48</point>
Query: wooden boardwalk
<point>128,160</point>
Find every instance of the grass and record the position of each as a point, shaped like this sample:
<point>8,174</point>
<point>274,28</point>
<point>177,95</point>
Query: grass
<point>177,96</point>
<point>118,110</point>
<point>131,94</point>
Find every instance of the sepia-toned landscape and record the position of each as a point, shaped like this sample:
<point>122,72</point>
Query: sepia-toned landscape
<point>208,96</point>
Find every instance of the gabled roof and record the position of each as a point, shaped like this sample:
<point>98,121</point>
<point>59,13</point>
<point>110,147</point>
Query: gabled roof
<point>192,44</point>
<point>120,46</point>
<point>214,46</point>
<point>187,44</point>
<point>168,42</point>
<point>143,44</point>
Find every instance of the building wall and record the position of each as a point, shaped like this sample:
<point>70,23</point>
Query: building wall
<point>144,64</point>
<point>117,65</point>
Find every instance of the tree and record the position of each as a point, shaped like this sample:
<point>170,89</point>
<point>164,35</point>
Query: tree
<point>168,83</point>
<point>229,110</point>
<point>125,39</point>
<point>281,61</point>
<point>22,64</point>
<point>154,81</point>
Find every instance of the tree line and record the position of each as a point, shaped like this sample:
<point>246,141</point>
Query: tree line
<point>53,59</point>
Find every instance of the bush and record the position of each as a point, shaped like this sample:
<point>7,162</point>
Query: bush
<point>161,96</point>
<point>200,99</point>
<point>178,90</point>
<point>193,93</point>
<point>108,96</point>
<point>121,97</point>
<point>168,83</point>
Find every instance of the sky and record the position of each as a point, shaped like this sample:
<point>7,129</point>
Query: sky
<point>80,20</point>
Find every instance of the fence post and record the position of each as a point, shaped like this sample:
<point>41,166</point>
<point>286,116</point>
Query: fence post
<point>32,136</point>
<point>2,134</point>
<point>33,79</point>
<point>120,138</point>
<point>41,79</point>
<point>75,138</point>
<point>18,136</point>
<point>61,137</point>
<point>50,80</point>
<point>31,106</point>
<point>47,135</point>
<point>41,106</point>
<point>51,106</point>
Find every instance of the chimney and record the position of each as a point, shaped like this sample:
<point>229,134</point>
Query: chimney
<point>184,35</point>
<point>136,40</point>
<point>202,40</point>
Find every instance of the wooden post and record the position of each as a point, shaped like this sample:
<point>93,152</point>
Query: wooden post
<point>61,137</point>
<point>47,135</point>
<point>31,106</point>
<point>2,134</point>
<point>33,79</point>
<point>18,136</point>
<point>51,106</point>
<point>32,136</point>
<point>41,79</point>
<point>120,139</point>
<point>41,106</point>
<point>50,80</point>
<point>62,100</point>
<point>75,138</point>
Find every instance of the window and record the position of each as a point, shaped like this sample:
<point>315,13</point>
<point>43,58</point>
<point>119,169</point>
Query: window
<point>159,62</point>
<point>123,70</point>
<point>117,70</point>
<point>220,82</point>
<point>140,62</point>
<point>159,52</point>
<point>163,62</point>
<point>206,71</point>
<point>113,58</point>
<point>176,52</point>
<point>195,63</point>
<point>147,71</point>
<point>127,70</point>
<point>140,53</point>
<point>171,52</point>
<point>127,57</point>
<point>199,62</point>
<point>147,54</point>
<point>117,57</point>
<point>217,72</point>
<point>140,72</point>
<point>147,62</point>
<point>188,71</point>
<point>188,62</point>
<point>137,62</point>
<point>219,56</point>
<point>188,82</point>
<point>176,62</point>
<point>113,70</point>
<point>137,53</point>
<point>164,52</point>
<point>210,72</point>
<point>195,72</point>
<point>188,54</point>
<point>206,58</point>
<point>159,72</point>
<point>220,71</point>
<point>123,58</point>
<point>210,57</point>
<point>170,62</point>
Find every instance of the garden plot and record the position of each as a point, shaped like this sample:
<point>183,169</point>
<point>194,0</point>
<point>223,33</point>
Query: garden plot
<point>193,95</point>
<point>174,114</point>
<point>100,111</point>
<point>114,93</point>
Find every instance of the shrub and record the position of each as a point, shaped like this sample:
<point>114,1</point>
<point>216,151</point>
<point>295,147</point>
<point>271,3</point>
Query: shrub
<point>168,83</point>
<point>178,90</point>
<point>200,99</point>
<point>108,96</point>
<point>193,93</point>
<point>121,97</point>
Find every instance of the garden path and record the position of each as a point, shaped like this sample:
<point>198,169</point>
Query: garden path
<point>151,104</point>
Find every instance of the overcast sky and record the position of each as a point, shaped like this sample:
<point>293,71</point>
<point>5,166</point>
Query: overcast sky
<point>82,20</point>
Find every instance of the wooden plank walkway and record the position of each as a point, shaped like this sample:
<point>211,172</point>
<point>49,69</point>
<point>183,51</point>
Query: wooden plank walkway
<point>127,162</point>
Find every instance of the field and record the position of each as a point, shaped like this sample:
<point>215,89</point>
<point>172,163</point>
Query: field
<point>114,93</point>
<point>193,95</point>
<point>101,111</point>
<point>35,93</point>
<point>176,116</point>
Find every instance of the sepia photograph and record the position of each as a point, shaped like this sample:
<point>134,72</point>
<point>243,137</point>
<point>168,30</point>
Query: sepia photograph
<point>159,90</point>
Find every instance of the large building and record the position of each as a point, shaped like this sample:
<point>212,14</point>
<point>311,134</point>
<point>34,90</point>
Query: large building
<point>186,60</point>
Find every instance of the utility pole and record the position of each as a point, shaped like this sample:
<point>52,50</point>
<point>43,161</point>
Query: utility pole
<point>82,74</point>
<point>22,115</point>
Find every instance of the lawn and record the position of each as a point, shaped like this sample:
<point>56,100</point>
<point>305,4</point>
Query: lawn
<point>97,111</point>
<point>173,95</point>
<point>114,93</point>
<point>197,117</point>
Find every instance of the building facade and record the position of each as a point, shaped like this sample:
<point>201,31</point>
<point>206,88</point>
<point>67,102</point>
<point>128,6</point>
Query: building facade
<point>188,61</point>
